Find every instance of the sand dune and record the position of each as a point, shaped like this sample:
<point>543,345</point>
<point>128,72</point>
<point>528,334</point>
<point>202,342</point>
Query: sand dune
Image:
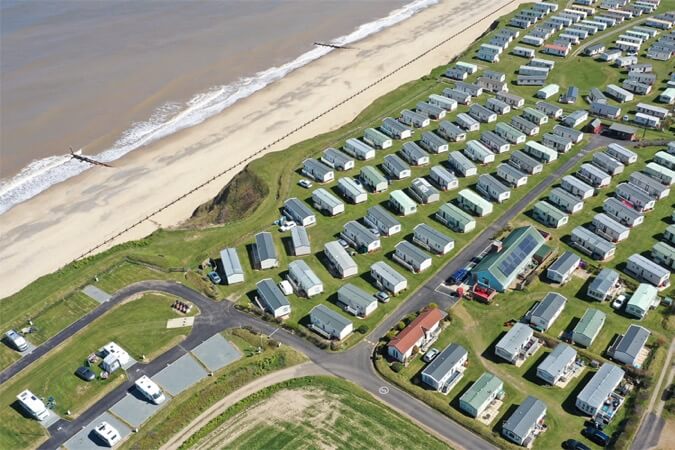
<point>68,220</point>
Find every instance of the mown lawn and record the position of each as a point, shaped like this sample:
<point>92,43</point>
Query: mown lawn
<point>338,414</point>
<point>138,326</point>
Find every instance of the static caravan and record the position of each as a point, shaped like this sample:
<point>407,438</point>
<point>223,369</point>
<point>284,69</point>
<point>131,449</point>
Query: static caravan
<point>265,253</point>
<point>547,91</point>
<point>329,323</point>
<point>610,229</point>
<point>360,237</point>
<point>575,119</point>
<point>411,257</point>
<point>540,62</point>
<point>327,202</point>
<point>640,83</point>
<point>599,26</point>
<point>443,179</point>
<point>472,89</point>
<point>558,143</point>
<point>545,313</point>
<point>610,21</point>
<point>395,167</point>
<point>401,204</point>
<point>356,301</point>
<point>431,239</point>
<point>658,172</point>
<point>460,97</point>
<point>552,111</point>
<point>523,51</point>
<point>441,101</point>
<point>565,201</point>
<point>433,143</point>
<point>629,47</point>
<point>524,125</point>
<point>624,61</point>
<point>525,163</point>
<point>414,154</point>
<point>337,160</point>
<point>561,47</point>
<point>594,176</point>
<point>549,215</point>
<point>231,264</point>
<point>531,80</point>
<point>298,212</point>
<point>376,139</point>
<point>423,192</point>
<point>595,95</point>
<point>594,49</point>
<point>467,122</point>
<point>520,22</point>
<point>575,136</point>
<point>351,190</point>
<point>413,119</point>
<point>431,111</point>
<point>479,152</point>
<point>513,100</point>
<point>379,218</point>
<point>492,85</point>
<point>303,279</point>
<point>455,73</point>
<point>494,142</point>
<point>535,116</point>
<point>653,110</point>
<point>300,241</point>
<point>511,175</point>
<point>591,244</point>
<point>621,154</point>
<point>32,405</point>
<point>451,131</point>
<point>635,196</point>
<point>474,203</point>
<point>653,187</point>
<point>317,171</point>
<point>455,219</point>
<point>540,152</point>
<point>644,269</point>
<point>386,277</point>
<point>619,94</point>
<point>467,67</point>
<point>482,114</point>
<point>576,187</point>
<point>608,164</point>
<point>509,133</point>
<point>271,299</point>
<point>461,164</point>
<point>622,213</point>
<point>668,96</point>
<point>395,129</point>
<point>492,188</point>
<point>497,106</point>
<point>532,40</point>
<point>358,149</point>
<point>588,328</point>
<point>664,255</point>
<point>605,110</point>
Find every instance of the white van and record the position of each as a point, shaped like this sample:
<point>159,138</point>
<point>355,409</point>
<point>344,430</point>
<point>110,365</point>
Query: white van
<point>107,433</point>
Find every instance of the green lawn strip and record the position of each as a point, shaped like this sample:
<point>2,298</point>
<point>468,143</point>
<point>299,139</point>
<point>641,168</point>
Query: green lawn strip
<point>190,404</point>
<point>138,326</point>
<point>358,422</point>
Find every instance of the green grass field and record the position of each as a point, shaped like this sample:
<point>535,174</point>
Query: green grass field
<point>311,412</point>
<point>138,326</point>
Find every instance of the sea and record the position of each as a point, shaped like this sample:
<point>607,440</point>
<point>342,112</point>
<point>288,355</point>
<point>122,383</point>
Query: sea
<point>108,77</point>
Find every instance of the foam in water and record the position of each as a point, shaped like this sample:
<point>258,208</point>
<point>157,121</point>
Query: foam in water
<point>172,117</point>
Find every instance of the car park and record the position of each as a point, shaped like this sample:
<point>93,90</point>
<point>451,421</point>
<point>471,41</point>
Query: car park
<point>382,297</point>
<point>16,341</point>
<point>618,302</point>
<point>430,355</point>
<point>107,433</point>
<point>85,373</point>
<point>214,277</point>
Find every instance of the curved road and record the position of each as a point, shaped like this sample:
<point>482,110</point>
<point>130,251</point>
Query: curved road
<point>354,365</point>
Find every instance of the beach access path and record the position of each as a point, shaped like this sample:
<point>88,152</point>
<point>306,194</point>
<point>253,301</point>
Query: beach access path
<point>74,217</point>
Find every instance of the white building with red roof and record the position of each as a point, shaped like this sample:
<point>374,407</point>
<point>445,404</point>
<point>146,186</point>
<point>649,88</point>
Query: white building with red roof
<point>420,333</point>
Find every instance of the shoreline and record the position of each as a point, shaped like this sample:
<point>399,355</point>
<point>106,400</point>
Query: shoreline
<point>146,181</point>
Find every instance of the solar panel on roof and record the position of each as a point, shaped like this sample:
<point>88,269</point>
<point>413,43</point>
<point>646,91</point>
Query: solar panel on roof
<point>517,255</point>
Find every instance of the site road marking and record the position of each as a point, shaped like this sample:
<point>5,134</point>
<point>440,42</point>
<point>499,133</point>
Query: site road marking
<point>384,390</point>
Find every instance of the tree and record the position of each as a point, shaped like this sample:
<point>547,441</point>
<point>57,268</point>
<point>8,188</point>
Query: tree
<point>363,329</point>
<point>397,367</point>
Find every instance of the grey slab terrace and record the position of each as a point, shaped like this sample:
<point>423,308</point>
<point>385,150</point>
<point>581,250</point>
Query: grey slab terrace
<point>85,440</point>
<point>135,409</point>
<point>96,293</point>
<point>216,352</point>
<point>180,375</point>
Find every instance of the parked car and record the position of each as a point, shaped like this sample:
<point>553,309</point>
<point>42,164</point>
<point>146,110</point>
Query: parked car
<point>618,302</point>
<point>343,243</point>
<point>382,297</point>
<point>85,373</point>
<point>458,277</point>
<point>573,444</point>
<point>596,436</point>
<point>16,341</point>
<point>107,433</point>
<point>305,183</point>
<point>214,277</point>
<point>430,355</point>
<point>287,225</point>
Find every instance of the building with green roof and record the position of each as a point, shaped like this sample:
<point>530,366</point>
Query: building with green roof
<point>401,204</point>
<point>642,299</point>
<point>499,269</point>
<point>588,328</point>
<point>479,396</point>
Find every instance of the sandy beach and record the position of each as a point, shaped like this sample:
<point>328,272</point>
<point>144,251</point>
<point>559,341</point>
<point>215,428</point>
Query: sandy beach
<point>54,228</point>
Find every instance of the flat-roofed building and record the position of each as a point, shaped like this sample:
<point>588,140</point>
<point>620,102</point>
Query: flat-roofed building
<point>629,347</point>
<point>272,300</point>
<point>329,324</point>
<point>356,301</point>
<point>265,253</point>
<point>454,218</point>
<point>588,328</point>
<point>563,267</point>
<point>234,273</point>
<point>596,392</point>
<point>412,258</point>
<point>360,237</point>
<point>298,212</point>
<point>327,202</point>
<point>446,369</point>
<point>300,241</point>
<point>351,190</point>
<point>340,262</point>
<point>521,426</point>
<point>303,279</point>
<point>591,244</point>
<point>558,364</point>
<point>549,215</point>
<point>547,311</point>
<point>431,239</point>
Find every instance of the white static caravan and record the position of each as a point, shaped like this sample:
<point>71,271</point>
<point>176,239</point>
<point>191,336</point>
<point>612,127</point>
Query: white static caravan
<point>532,40</point>
<point>530,80</point>
<point>608,228</point>
<point>478,152</point>
<point>474,203</point>
<point>575,136</point>
<point>619,94</point>
<point>300,241</point>
<point>524,125</point>
<point>232,269</point>
<point>373,179</point>
<point>658,23</point>
<point>492,188</point>
<point>414,154</point>
<point>525,163</point>
<point>395,167</point>
<point>431,239</point>
<point>549,215</point>
<point>433,112</point>
<point>630,47</point>
<point>461,164</point>
<point>547,91</point>
<point>460,97</point>
<point>552,111</point>
<point>443,179</point>
<point>647,121</point>
<point>591,244</point>
<point>298,212</point>
<point>360,237</point>
<point>454,218</point>
<point>358,149</point>
<point>658,172</point>
<point>356,301</point>
<point>653,187</point>
<point>565,201</point>
<point>653,110</point>
<point>451,131</point>
<point>337,160</point>
<point>622,213</point>
<point>379,218</point>
<point>506,131</point>
<point>594,176</point>
<point>558,143</point>
<point>540,152</point>
<point>524,52</point>
<point>497,106</point>
<point>513,100</point>
<point>411,257</point>
<point>467,67</point>
<point>386,277</point>
<point>455,73</point>
<point>467,122</point>
<point>395,129</point>
<point>635,196</point>
<point>482,114</point>
<point>413,119</point>
<point>644,269</point>
<point>317,171</point>
<point>433,143</point>
<point>376,139</point>
<point>576,187</point>
<point>327,202</point>
<point>540,62</point>
<point>303,279</point>
<point>608,164</point>
<point>441,101</point>
<point>494,142</point>
<point>423,192</point>
<point>664,255</point>
<point>621,154</point>
<point>511,175</point>
<point>351,190</point>
<point>400,203</point>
